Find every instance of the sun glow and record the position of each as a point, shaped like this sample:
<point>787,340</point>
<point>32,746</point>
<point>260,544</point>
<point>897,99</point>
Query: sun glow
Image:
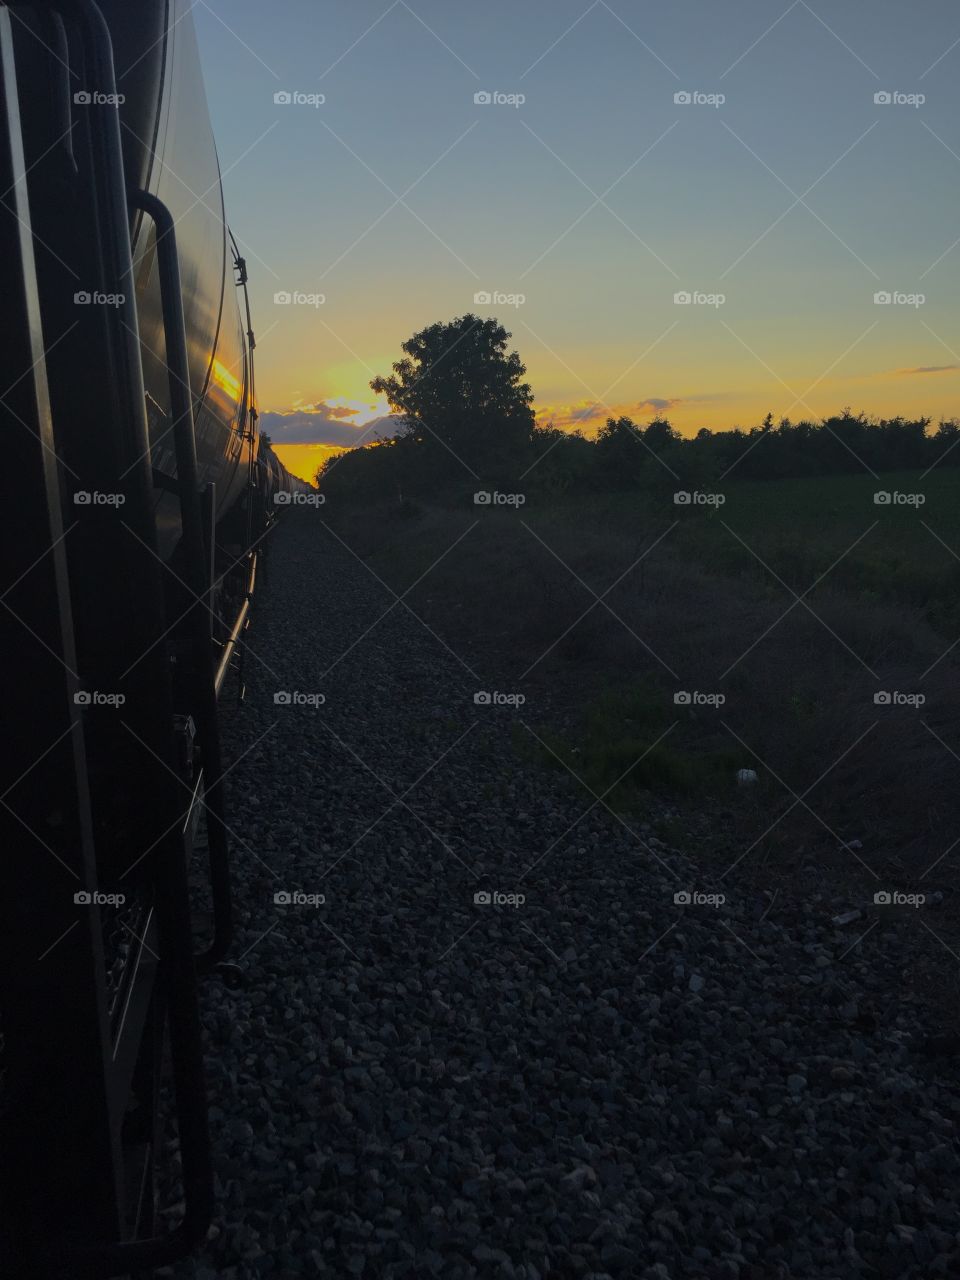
<point>358,412</point>
<point>304,460</point>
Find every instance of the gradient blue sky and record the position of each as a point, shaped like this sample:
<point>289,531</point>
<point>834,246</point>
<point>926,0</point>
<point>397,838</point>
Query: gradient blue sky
<point>697,199</point>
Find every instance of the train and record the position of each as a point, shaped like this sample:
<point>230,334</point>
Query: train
<point>139,497</point>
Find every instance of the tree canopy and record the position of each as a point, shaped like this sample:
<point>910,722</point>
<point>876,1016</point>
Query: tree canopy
<point>457,388</point>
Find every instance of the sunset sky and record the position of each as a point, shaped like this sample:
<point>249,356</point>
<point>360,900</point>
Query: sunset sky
<point>597,199</point>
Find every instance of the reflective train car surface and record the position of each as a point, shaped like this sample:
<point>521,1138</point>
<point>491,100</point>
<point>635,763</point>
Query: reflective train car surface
<point>139,498</point>
<point>168,152</point>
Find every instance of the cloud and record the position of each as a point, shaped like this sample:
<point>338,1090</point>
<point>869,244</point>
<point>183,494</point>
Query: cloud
<point>929,368</point>
<point>325,424</point>
<point>588,413</point>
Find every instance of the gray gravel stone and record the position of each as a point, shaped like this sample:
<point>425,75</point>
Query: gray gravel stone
<point>410,1082</point>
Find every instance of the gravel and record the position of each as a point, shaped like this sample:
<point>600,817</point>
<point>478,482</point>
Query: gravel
<point>578,1078</point>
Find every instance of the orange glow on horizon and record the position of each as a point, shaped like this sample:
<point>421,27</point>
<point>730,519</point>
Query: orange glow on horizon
<point>303,460</point>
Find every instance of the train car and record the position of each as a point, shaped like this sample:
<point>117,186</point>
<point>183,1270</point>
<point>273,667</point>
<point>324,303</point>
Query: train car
<point>137,501</point>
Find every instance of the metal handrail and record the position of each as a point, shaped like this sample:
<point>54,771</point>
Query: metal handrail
<point>195,572</point>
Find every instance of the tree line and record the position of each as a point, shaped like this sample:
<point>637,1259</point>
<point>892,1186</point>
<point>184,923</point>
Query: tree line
<point>467,419</point>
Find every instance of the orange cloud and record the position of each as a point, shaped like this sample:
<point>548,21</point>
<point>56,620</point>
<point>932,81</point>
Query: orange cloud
<point>587,415</point>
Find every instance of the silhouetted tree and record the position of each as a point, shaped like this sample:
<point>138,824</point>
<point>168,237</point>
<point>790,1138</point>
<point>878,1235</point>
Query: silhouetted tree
<point>461,394</point>
<point>659,435</point>
<point>620,452</point>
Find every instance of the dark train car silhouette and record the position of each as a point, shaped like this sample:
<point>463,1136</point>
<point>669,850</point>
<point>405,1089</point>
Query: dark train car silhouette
<point>136,502</point>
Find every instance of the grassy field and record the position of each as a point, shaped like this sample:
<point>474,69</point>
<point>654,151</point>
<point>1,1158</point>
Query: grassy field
<point>602,610</point>
<point>801,528</point>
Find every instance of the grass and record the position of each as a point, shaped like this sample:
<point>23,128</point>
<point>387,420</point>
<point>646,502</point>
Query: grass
<point>626,747</point>
<point>805,528</point>
<point>709,607</point>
